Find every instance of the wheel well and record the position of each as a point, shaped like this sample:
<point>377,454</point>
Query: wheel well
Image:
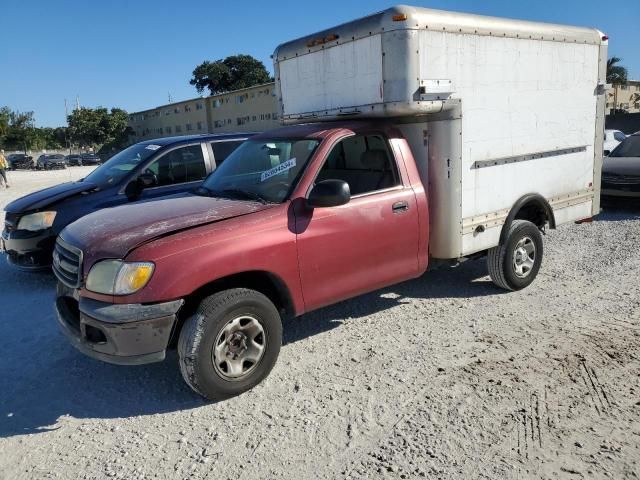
<point>533,208</point>
<point>264,282</point>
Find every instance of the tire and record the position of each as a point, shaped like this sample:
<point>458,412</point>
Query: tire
<point>213,325</point>
<point>508,267</point>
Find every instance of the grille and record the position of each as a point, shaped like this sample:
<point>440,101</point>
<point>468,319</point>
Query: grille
<point>67,263</point>
<point>620,178</point>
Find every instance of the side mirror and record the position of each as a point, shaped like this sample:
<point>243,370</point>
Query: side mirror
<point>329,193</point>
<point>147,180</point>
<point>133,189</point>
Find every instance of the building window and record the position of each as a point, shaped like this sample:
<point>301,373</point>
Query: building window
<point>176,110</point>
<point>199,125</point>
<point>218,124</point>
<point>274,116</point>
<point>187,108</point>
<point>254,118</point>
<point>199,106</point>
<point>217,103</point>
<point>178,129</point>
<point>168,129</point>
<point>239,98</point>
<point>228,121</point>
<point>167,112</point>
<point>188,127</point>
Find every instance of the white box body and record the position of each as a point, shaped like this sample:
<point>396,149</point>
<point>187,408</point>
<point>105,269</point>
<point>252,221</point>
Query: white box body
<point>494,109</point>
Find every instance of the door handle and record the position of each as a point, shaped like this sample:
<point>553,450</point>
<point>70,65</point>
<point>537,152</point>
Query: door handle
<point>400,207</point>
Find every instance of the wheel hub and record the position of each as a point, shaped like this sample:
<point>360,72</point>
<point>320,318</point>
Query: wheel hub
<point>524,257</point>
<point>239,347</point>
<point>236,344</point>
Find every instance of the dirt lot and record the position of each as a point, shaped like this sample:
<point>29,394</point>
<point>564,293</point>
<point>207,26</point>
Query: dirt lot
<point>441,377</point>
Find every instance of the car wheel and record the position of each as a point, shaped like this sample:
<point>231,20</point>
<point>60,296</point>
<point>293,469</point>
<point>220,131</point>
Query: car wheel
<point>230,344</point>
<point>515,264</point>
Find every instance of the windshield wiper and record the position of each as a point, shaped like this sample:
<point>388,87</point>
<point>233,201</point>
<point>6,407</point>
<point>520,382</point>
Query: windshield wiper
<point>238,193</point>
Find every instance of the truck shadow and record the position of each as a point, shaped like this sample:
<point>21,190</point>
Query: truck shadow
<point>464,281</point>
<point>45,383</point>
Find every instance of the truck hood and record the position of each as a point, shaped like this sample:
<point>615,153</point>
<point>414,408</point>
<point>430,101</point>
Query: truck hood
<point>43,198</point>
<point>114,232</point>
<point>621,165</point>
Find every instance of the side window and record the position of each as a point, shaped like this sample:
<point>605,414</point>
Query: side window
<point>221,150</point>
<point>364,162</point>
<point>619,136</point>
<point>185,164</point>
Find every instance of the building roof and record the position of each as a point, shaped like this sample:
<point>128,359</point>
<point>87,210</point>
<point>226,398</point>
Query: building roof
<point>201,98</point>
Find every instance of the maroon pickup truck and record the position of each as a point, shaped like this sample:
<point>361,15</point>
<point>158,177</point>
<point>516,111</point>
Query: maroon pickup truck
<point>293,220</point>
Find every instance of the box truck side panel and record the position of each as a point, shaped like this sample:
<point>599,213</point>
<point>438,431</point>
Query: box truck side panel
<point>529,110</point>
<point>344,76</point>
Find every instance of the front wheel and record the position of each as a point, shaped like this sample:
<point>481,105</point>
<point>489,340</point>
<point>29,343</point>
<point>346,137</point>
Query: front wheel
<point>230,344</point>
<point>515,264</point>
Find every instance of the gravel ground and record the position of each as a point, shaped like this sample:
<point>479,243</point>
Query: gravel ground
<point>442,377</point>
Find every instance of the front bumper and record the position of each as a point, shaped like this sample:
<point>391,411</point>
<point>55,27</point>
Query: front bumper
<point>29,250</point>
<point>124,334</point>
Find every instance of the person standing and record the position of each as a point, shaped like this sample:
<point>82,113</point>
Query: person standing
<point>4,165</point>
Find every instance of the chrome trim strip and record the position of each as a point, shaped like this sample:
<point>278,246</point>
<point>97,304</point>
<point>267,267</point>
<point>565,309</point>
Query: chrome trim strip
<point>497,218</point>
<point>524,158</point>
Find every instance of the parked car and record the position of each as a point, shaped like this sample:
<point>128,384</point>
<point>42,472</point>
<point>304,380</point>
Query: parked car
<point>90,159</point>
<point>20,160</point>
<point>74,159</point>
<point>621,169</point>
<point>144,171</point>
<point>612,139</point>
<point>51,161</point>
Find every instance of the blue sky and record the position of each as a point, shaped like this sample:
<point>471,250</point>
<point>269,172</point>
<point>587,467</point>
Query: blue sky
<point>132,54</point>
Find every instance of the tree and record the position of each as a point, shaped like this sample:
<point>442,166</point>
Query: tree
<point>5,117</point>
<point>616,74</point>
<point>99,126</point>
<point>232,73</point>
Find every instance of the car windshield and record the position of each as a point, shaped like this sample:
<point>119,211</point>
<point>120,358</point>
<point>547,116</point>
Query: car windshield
<point>118,166</point>
<point>260,170</point>
<point>630,147</point>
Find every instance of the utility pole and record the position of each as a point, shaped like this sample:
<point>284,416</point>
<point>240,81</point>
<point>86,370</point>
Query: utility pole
<point>66,130</point>
<point>169,95</point>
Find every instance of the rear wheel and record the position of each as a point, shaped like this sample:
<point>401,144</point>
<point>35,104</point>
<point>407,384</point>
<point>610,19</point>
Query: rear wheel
<point>230,344</point>
<point>515,264</point>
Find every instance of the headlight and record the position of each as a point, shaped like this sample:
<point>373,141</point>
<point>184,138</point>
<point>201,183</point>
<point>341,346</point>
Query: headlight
<point>36,221</point>
<point>115,277</point>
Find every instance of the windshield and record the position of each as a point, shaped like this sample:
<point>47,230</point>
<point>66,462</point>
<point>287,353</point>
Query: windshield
<point>261,170</point>
<point>630,147</point>
<point>118,166</point>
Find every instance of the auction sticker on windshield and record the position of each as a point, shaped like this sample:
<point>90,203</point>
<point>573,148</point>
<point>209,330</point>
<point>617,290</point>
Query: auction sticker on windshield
<point>283,167</point>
